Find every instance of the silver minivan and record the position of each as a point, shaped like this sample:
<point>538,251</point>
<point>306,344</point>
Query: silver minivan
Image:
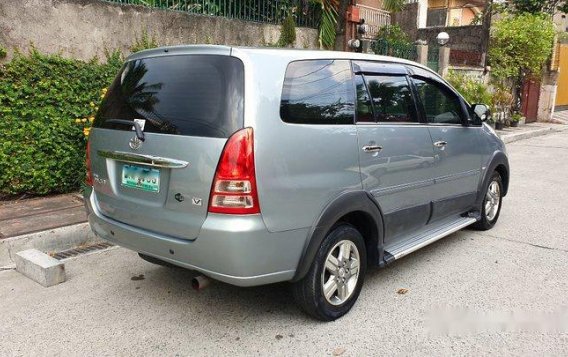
<point>255,166</point>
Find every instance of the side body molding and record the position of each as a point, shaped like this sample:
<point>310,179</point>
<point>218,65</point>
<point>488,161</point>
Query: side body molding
<point>346,203</point>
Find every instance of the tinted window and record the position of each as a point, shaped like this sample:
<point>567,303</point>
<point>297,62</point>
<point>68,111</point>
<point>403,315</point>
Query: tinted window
<point>391,98</point>
<point>198,95</point>
<point>440,104</point>
<point>318,92</point>
<point>364,107</point>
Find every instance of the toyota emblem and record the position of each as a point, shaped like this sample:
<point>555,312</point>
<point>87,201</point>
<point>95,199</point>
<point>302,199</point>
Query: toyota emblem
<point>135,143</point>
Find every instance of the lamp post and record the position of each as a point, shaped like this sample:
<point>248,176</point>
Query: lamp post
<point>444,55</point>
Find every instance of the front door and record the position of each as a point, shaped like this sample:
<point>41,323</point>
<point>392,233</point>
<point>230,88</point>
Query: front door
<point>395,155</point>
<point>456,148</point>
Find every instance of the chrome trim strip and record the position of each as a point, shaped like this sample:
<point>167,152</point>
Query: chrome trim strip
<point>398,188</point>
<point>457,176</point>
<point>147,160</point>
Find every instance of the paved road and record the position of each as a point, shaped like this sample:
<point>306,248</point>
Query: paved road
<point>500,292</point>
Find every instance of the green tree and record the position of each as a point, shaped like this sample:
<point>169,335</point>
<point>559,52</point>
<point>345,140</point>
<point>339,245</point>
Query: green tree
<point>394,5</point>
<point>538,6</point>
<point>520,44</point>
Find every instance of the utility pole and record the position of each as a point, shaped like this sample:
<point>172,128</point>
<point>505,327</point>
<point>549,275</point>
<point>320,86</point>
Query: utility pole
<point>485,32</point>
<point>340,25</point>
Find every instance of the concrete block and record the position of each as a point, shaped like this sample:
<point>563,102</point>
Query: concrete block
<point>40,267</point>
<point>52,240</point>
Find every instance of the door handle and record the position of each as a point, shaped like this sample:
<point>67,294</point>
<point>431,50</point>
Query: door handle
<point>372,148</point>
<point>440,143</point>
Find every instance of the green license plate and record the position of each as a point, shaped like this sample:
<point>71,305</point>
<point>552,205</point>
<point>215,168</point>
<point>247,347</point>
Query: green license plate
<point>142,178</point>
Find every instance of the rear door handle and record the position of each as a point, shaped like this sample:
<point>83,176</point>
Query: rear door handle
<point>440,143</point>
<point>372,148</point>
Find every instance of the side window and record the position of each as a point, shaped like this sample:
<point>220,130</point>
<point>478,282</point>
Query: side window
<point>318,92</point>
<point>392,98</point>
<point>364,106</point>
<point>440,104</point>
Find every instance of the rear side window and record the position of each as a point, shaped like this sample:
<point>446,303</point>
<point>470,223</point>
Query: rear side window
<point>195,95</point>
<point>318,92</point>
<point>392,99</point>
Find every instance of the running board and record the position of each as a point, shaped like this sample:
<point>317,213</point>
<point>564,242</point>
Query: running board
<point>424,238</point>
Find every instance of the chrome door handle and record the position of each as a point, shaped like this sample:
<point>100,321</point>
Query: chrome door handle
<point>372,148</point>
<point>440,143</point>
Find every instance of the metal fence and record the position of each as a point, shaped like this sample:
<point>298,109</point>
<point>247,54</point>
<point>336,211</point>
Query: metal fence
<point>433,61</point>
<point>384,48</point>
<point>374,19</point>
<point>306,14</point>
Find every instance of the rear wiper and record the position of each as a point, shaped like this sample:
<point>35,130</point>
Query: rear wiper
<point>137,128</point>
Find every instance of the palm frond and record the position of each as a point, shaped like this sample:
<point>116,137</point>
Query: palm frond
<point>394,5</point>
<point>328,22</point>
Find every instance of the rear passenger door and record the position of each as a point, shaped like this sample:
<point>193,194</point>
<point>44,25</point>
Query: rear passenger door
<point>395,149</point>
<point>456,146</point>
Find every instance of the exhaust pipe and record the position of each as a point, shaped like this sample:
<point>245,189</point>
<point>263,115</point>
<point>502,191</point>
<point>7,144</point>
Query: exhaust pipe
<point>200,282</point>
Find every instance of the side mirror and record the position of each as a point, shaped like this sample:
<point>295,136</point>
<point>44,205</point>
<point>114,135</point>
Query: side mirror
<point>481,111</point>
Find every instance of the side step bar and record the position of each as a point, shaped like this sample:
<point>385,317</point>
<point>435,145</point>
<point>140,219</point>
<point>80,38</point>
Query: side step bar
<point>414,243</point>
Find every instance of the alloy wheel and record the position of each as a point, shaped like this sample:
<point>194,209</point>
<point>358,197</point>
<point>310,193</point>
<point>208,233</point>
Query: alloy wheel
<point>341,272</point>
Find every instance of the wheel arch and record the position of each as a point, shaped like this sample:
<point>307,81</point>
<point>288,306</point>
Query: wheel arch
<point>498,163</point>
<point>357,208</point>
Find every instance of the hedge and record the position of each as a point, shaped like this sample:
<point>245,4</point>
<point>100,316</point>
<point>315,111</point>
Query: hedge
<point>45,103</point>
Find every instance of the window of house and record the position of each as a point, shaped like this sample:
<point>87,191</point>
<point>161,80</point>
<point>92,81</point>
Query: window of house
<point>441,106</point>
<point>436,17</point>
<point>318,92</point>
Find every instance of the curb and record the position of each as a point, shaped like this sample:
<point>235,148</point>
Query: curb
<point>52,240</point>
<point>509,138</point>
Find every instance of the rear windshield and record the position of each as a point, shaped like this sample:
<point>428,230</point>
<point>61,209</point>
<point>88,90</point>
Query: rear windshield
<point>196,95</point>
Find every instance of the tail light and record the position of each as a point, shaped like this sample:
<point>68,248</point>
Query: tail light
<point>234,187</point>
<point>89,175</point>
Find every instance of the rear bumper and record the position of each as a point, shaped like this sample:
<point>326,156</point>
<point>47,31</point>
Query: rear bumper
<point>238,250</point>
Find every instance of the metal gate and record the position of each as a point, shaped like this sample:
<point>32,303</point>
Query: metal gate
<point>562,93</point>
<point>529,99</point>
<point>433,57</point>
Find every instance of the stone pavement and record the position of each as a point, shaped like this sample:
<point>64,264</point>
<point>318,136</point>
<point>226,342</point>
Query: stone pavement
<point>561,116</point>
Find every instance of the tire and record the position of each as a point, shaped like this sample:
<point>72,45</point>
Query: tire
<point>489,218</point>
<point>156,261</point>
<point>309,292</point>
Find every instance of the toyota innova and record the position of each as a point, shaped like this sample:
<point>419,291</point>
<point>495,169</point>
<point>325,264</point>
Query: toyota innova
<point>256,166</point>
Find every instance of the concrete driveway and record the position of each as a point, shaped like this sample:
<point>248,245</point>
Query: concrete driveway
<point>502,292</point>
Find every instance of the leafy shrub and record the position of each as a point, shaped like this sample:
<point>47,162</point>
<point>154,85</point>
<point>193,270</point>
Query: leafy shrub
<point>42,147</point>
<point>3,52</point>
<point>287,32</point>
<point>144,42</point>
<point>394,35</point>
<point>472,89</point>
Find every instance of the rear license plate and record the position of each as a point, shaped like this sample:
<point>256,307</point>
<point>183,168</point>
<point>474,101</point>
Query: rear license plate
<point>142,178</point>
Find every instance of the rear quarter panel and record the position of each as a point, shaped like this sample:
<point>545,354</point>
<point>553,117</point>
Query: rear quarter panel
<point>299,168</point>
